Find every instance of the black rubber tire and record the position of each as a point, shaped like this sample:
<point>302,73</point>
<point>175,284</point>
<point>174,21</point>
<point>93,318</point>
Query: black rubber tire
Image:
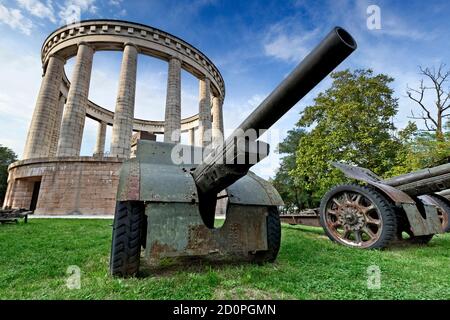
<point>446,209</point>
<point>273,237</point>
<point>384,206</point>
<point>127,238</point>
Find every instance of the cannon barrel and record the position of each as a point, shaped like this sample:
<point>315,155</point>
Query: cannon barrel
<point>424,181</point>
<point>216,172</point>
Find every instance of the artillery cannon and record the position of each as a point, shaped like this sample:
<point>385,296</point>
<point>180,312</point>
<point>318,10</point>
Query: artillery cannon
<point>168,207</point>
<point>407,207</point>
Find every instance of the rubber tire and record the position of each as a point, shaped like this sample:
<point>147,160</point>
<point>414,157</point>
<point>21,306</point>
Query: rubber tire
<point>127,238</point>
<point>446,207</point>
<point>273,237</point>
<point>385,207</point>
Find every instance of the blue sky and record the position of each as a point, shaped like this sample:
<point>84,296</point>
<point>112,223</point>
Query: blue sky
<point>254,44</point>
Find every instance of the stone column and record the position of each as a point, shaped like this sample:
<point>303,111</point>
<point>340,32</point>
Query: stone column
<point>77,99</point>
<point>204,113</point>
<point>57,126</point>
<point>217,121</point>
<point>124,114</point>
<point>101,137</point>
<point>40,132</point>
<point>172,124</point>
<point>192,136</point>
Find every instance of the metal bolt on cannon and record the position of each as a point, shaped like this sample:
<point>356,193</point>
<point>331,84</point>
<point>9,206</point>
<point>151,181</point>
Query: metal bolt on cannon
<point>169,208</point>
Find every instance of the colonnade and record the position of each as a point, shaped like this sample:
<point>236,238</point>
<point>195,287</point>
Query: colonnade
<point>58,122</point>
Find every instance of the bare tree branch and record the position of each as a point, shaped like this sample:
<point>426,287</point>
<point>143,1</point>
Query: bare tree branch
<point>434,114</point>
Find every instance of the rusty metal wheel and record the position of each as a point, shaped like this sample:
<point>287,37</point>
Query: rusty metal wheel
<point>358,216</point>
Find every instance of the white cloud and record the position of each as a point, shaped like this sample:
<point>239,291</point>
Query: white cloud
<point>20,79</point>
<point>288,45</point>
<point>60,12</point>
<point>39,9</point>
<point>255,100</point>
<point>393,24</point>
<point>116,3</point>
<point>72,10</point>
<point>122,13</point>
<point>15,19</point>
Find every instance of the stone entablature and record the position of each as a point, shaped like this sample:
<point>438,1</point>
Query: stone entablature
<point>113,34</point>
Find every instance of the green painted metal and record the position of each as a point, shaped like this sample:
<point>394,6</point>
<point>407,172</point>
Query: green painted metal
<point>177,230</point>
<point>253,190</point>
<point>163,181</point>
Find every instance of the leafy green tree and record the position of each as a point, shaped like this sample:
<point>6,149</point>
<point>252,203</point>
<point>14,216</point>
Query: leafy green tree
<point>349,122</point>
<point>7,156</point>
<point>422,150</point>
<point>294,197</point>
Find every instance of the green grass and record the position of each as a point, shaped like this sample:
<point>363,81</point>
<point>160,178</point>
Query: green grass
<point>34,258</point>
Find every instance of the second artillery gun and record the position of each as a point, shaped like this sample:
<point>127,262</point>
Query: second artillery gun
<point>408,207</point>
<point>168,207</point>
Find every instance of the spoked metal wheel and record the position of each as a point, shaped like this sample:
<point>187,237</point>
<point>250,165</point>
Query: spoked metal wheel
<point>358,216</point>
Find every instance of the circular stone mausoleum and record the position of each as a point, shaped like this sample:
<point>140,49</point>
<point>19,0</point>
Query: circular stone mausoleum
<point>52,177</point>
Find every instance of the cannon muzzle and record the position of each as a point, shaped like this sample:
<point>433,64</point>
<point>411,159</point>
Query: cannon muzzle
<point>217,172</point>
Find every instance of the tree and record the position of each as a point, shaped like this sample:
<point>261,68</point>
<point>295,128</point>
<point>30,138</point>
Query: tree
<point>349,122</point>
<point>433,115</point>
<point>294,197</point>
<point>7,156</point>
<point>422,150</point>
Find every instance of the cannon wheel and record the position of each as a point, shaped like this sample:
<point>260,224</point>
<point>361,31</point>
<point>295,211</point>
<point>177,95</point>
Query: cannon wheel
<point>358,216</point>
<point>273,237</point>
<point>127,238</point>
<point>443,212</point>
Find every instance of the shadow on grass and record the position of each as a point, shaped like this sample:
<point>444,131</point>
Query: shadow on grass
<point>170,266</point>
<point>307,229</point>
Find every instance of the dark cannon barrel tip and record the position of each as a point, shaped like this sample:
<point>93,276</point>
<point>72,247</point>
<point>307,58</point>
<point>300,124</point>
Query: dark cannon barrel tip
<point>212,174</point>
<point>345,37</point>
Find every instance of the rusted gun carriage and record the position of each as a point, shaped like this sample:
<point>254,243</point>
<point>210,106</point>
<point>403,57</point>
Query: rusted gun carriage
<point>408,207</point>
<point>169,207</point>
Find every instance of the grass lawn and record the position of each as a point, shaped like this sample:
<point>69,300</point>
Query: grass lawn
<point>34,258</point>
